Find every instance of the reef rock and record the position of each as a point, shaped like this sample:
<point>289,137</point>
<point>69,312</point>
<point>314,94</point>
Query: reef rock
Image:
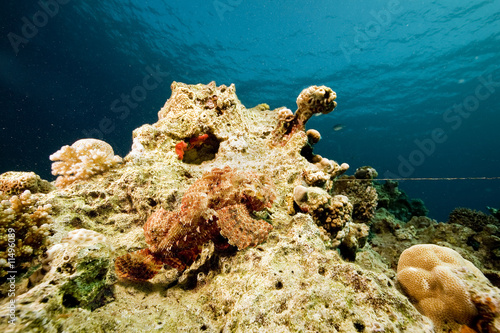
<point>291,279</point>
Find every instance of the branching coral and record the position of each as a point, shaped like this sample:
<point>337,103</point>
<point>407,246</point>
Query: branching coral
<point>219,203</point>
<point>24,227</point>
<point>81,160</point>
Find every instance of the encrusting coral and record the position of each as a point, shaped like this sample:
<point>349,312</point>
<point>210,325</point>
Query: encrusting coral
<point>81,160</point>
<point>24,227</point>
<point>443,285</point>
<point>217,204</point>
<point>334,215</point>
<point>13,182</point>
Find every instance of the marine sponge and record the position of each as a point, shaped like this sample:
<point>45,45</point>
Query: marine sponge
<point>24,227</point>
<point>81,160</point>
<point>219,203</point>
<point>438,279</point>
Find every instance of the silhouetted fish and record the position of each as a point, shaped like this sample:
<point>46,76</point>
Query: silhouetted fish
<point>338,127</point>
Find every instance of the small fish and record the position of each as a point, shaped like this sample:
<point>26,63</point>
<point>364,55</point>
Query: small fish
<point>338,127</point>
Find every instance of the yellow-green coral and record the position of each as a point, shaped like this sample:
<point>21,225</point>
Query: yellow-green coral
<point>14,182</point>
<point>24,227</point>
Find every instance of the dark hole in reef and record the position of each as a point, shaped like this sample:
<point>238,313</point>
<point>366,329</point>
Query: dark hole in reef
<point>203,327</point>
<point>494,278</point>
<point>76,222</point>
<point>70,301</point>
<point>279,285</point>
<point>321,271</point>
<point>152,202</point>
<point>473,243</point>
<point>307,152</point>
<point>359,326</point>
<point>347,253</point>
<point>202,151</point>
<point>92,213</point>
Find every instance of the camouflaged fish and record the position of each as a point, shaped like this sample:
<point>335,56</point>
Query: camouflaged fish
<point>216,207</point>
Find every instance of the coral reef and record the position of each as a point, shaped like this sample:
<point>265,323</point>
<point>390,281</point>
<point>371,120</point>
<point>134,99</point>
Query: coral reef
<point>81,160</point>
<point>219,203</point>
<point>473,219</point>
<point>331,213</point>
<point>13,182</point>
<point>288,279</point>
<point>397,201</point>
<point>481,248</point>
<point>24,227</point>
<point>334,215</point>
<point>442,285</point>
<point>495,212</point>
<point>361,193</point>
<point>311,101</point>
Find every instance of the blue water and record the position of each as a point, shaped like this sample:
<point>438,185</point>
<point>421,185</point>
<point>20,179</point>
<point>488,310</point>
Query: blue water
<point>418,82</point>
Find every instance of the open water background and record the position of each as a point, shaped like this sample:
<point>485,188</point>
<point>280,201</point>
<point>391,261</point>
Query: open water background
<point>418,82</point>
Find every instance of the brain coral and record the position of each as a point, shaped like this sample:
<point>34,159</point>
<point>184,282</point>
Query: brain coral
<point>81,160</point>
<point>436,278</point>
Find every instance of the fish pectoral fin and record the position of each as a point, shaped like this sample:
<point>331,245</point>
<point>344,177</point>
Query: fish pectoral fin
<point>138,266</point>
<point>240,228</point>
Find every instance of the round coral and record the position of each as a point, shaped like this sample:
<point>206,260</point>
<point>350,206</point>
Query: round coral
<point>433,276</point>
